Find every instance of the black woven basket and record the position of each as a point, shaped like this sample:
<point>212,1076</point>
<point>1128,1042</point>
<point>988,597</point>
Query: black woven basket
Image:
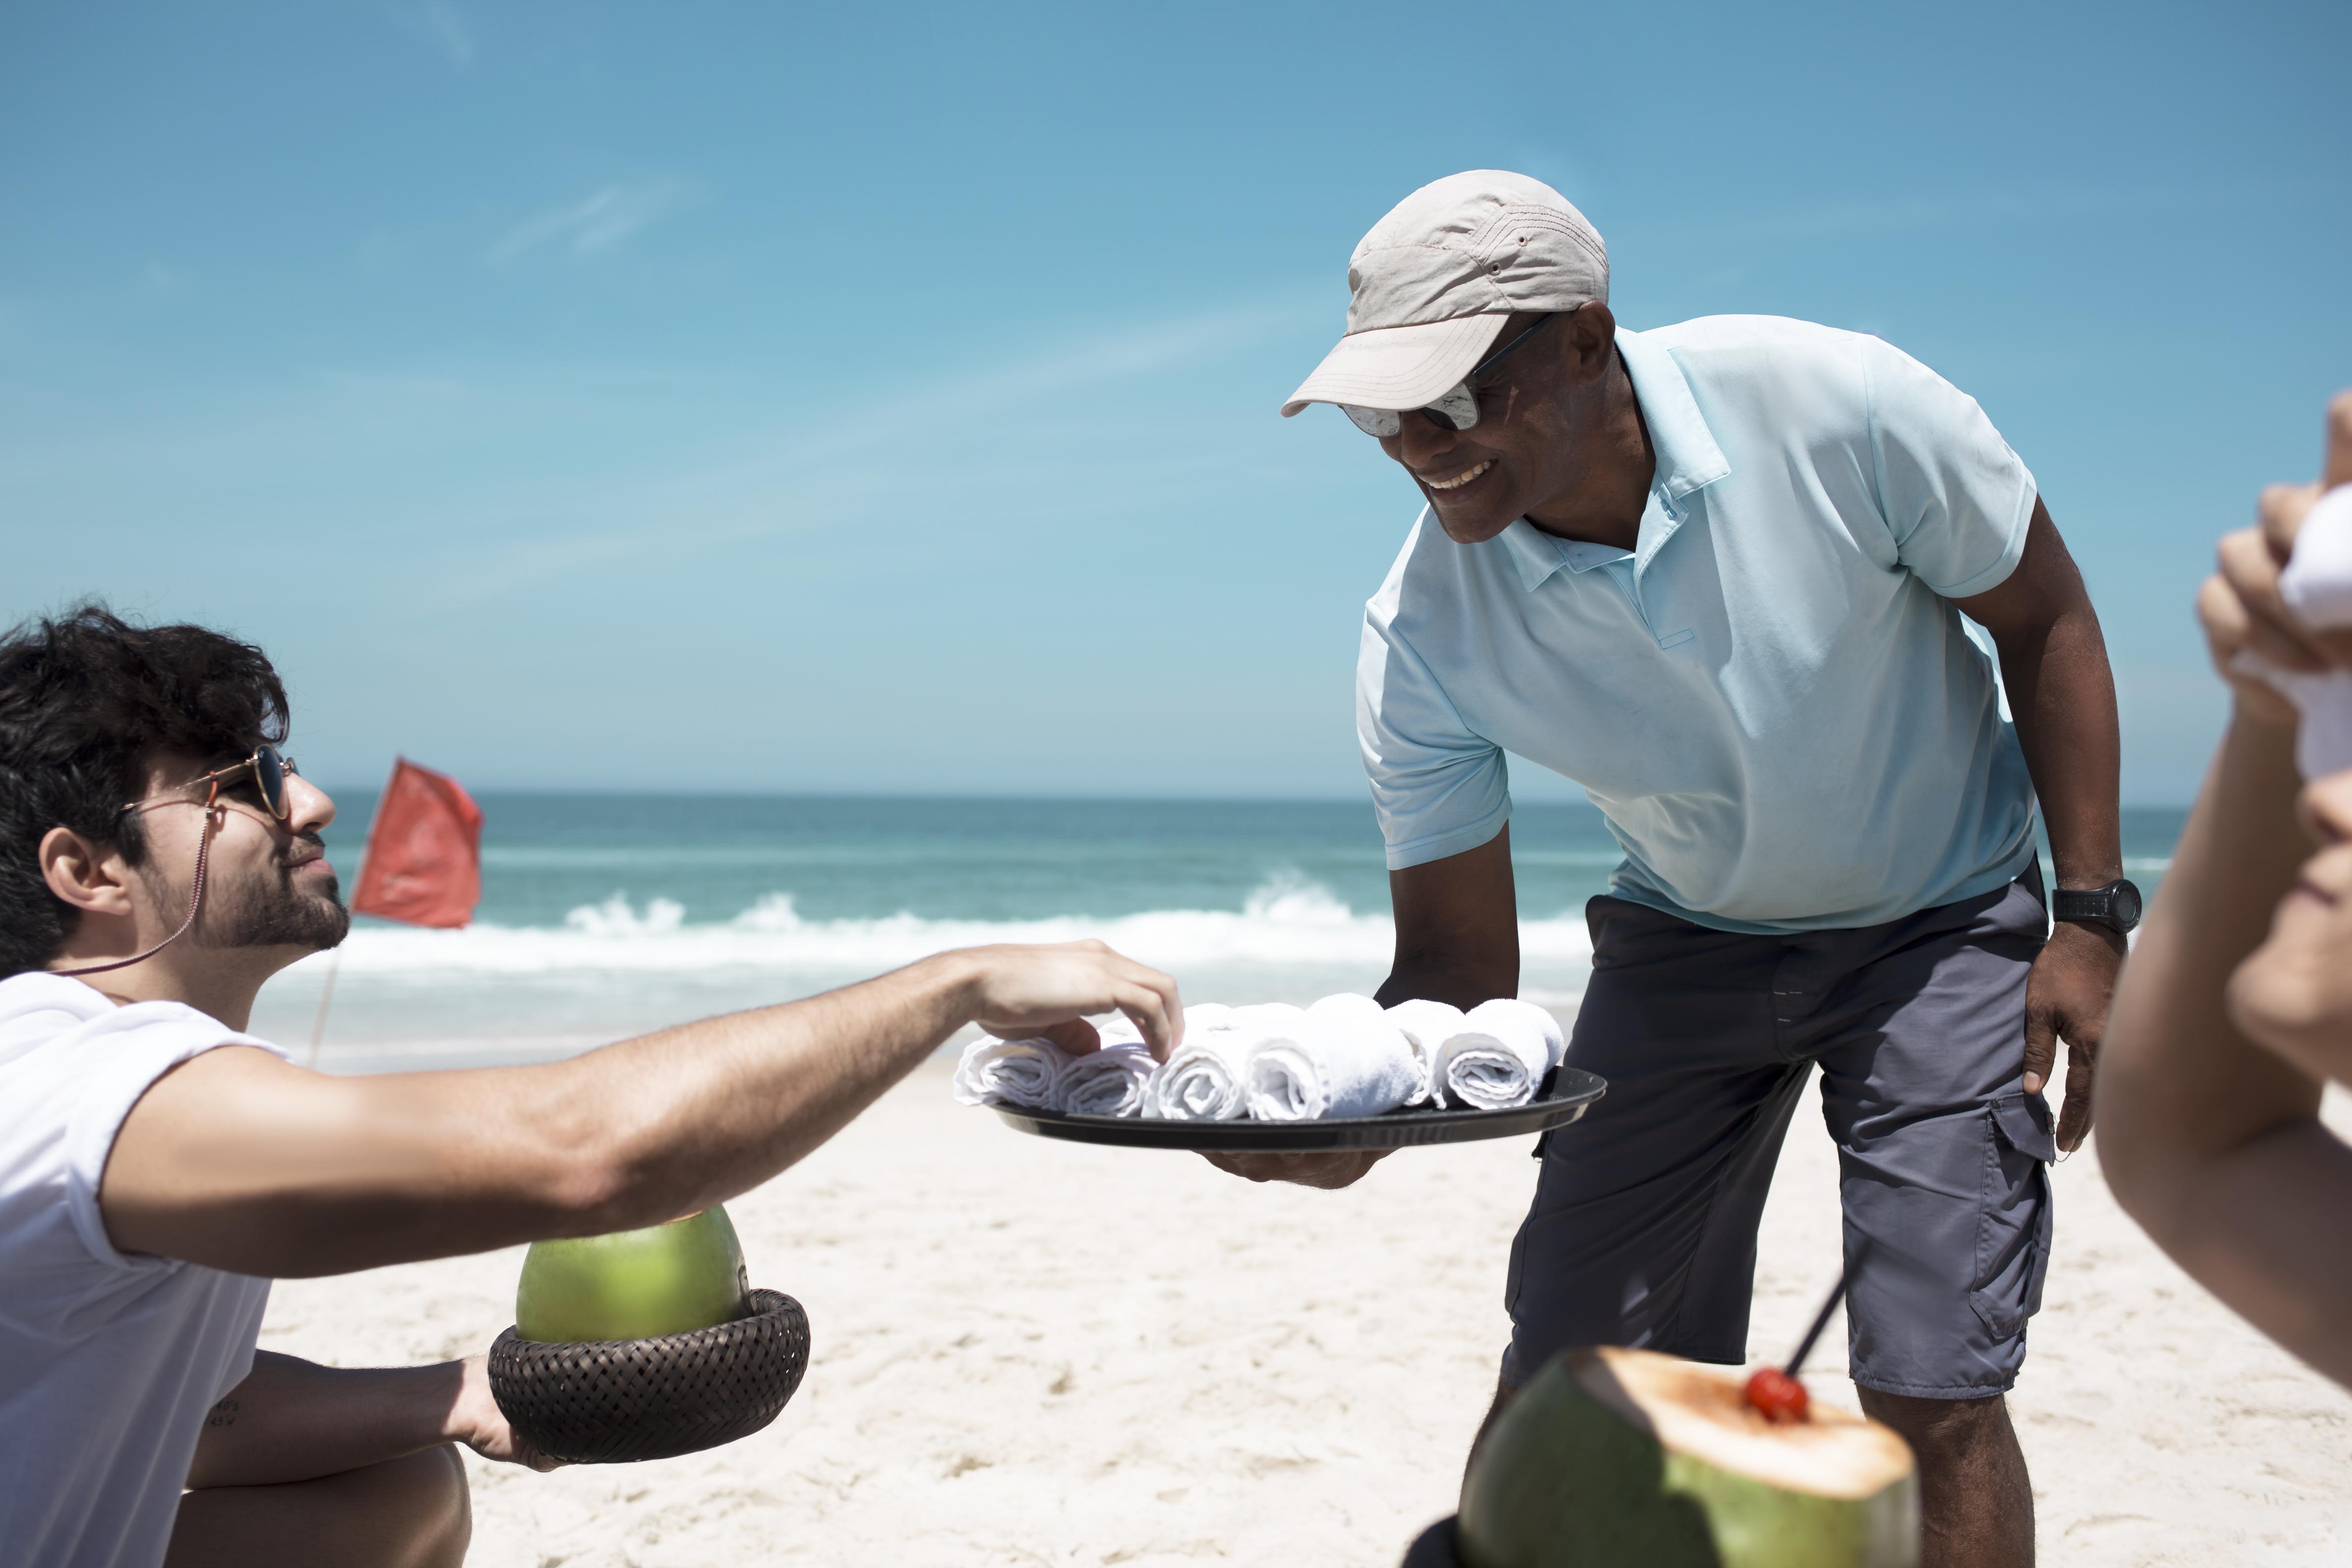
<point>609,1402</point>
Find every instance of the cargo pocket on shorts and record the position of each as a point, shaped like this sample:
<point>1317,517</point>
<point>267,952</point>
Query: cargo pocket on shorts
<point>2013,1224</point>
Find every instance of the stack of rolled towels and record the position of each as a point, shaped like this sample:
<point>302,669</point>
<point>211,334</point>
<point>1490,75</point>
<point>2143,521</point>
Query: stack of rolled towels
<point>1345,1055</point>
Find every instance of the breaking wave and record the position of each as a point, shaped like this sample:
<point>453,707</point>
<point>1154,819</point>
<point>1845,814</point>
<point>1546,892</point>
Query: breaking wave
<point>1283,924</point>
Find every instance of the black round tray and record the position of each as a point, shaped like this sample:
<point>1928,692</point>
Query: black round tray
<point>1566,1093</point>
<point>610,1402</point>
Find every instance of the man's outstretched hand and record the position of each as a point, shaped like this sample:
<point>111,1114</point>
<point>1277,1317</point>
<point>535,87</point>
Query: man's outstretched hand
<point>1047,991</point>
<point>2066,995</point>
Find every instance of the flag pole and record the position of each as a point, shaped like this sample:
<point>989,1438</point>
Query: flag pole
<point>335,964</point>
<point>326,995</point>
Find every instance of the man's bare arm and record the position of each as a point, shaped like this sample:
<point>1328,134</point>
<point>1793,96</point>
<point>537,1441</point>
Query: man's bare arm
<point>2212,1143</point>
<point>1457,928</point>
<point>243,1163</point>
<point>2054,662</point>
<point>293,1420</point>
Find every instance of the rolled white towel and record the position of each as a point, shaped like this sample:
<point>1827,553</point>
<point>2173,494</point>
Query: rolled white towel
<point>1348,1009</point>
<point>1119,1030</point>
<point>1026,1073</point>
<point>1499,1057</point>
<point>1335,1059</point>
<point>1427,1027</point>
<point>1202,1079</point>
<point>1111,1081</point>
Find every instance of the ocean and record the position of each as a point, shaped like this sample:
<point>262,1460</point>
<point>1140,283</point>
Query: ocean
<point>606,915</point>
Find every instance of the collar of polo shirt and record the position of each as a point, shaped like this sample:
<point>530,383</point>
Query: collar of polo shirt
<point>1689,460</point>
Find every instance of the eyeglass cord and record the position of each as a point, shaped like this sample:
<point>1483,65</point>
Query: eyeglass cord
<point>195,901</point>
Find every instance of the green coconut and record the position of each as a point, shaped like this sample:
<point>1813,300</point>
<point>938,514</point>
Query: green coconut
<point>1621,1459</point>
<point>634,1284</point>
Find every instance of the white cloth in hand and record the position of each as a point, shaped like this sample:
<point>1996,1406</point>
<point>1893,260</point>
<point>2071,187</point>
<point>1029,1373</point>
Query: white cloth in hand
<point>2317,587</point>
<point>1203,1080</point>
<point>1340,1058</point>
<point>1427,1027</point>
<point>1027,1073</point>
<point>1499,1057</point>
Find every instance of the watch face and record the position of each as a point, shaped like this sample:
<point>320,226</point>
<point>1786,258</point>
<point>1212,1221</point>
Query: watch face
<point>2127,905</point>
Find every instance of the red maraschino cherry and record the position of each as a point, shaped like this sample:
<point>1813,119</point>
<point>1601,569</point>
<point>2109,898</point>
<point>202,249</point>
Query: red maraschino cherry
<point>1777,1397</point>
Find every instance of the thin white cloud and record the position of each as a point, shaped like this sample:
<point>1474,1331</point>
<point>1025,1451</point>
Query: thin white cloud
<point>446,29</point>
<point>599,223</point>
<point>999,424</point>
<point>801,480</point>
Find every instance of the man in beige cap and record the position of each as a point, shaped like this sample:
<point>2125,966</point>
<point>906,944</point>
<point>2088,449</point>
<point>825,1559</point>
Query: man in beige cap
<point>1716,572</point>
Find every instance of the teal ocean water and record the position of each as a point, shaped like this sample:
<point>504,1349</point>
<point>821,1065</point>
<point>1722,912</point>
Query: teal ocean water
<point>606,915</point>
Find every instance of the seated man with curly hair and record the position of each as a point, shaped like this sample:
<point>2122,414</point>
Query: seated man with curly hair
<point>159,860</point>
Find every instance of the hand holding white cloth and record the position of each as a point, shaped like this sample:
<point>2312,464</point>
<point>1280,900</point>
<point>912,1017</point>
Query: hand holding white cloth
<point>1340,1058</point>
<point>2317,587</point>
<point>1499,1057</point>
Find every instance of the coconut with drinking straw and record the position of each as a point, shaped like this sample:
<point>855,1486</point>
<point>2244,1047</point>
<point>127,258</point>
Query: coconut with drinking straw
<point>1627,1458</point>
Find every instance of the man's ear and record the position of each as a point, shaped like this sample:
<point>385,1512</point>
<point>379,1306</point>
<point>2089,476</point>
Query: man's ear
<point>90,877</point>
<point>1590,343</point>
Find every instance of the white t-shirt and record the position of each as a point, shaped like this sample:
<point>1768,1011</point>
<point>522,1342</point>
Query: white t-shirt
<point>108,1362</point>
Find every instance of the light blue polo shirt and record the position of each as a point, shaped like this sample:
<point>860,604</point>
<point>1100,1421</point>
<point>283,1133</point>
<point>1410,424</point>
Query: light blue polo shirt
<point>1772,699</point>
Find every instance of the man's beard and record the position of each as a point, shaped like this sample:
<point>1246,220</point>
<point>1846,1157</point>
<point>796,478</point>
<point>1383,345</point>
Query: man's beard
<point>266,910</point>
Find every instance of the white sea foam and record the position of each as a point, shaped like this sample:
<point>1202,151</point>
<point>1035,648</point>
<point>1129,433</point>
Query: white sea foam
<point>1283,925</point>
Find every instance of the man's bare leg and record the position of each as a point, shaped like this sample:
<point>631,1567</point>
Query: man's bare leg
<point>1503,1393</point>
<point>1975,1501</point>
<point>409,1512</point>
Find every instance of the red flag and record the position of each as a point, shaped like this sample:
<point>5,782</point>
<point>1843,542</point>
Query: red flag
<point>424,851</point>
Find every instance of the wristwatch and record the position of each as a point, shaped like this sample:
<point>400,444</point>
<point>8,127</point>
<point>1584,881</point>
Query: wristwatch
<point>2114,906</point>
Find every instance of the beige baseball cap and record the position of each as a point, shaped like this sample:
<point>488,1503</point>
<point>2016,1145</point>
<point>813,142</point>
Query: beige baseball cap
<point>1430,287</point>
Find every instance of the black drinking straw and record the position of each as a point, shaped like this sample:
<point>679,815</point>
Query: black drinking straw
<point>1820,1321</point>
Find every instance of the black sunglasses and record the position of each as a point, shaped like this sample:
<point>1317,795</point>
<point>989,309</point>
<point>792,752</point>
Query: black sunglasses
<point>1457,409</point>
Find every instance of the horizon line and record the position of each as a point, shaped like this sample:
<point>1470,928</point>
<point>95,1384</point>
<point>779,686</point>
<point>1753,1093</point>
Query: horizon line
<point>1058,797</point>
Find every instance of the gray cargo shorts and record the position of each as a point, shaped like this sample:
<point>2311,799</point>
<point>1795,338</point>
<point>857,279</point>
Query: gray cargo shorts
<point>1643,1226</point>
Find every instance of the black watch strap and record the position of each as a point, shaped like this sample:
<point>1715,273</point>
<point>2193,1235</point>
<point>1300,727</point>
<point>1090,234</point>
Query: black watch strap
<point>2114,906</point>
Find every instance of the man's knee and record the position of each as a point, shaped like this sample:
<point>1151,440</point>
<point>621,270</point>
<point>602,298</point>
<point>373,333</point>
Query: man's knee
<point>1936,1427</point>
<point>415,1511</point>
<point>441,1503</point>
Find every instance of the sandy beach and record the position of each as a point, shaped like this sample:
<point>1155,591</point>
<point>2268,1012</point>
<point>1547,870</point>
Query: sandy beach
<point>1030,1354</point>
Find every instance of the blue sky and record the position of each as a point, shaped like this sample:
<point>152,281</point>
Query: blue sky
<point>775,397</point>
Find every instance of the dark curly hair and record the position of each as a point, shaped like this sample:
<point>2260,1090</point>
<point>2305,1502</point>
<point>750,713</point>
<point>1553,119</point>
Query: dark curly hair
<point>87,700</point>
